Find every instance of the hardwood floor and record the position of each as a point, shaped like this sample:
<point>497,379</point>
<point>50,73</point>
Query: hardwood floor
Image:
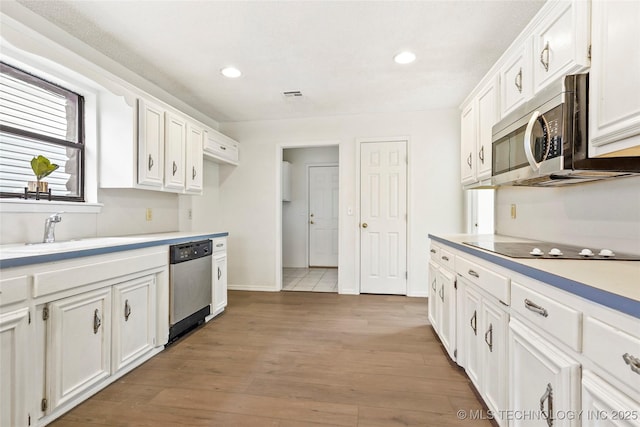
<point>294,359</point>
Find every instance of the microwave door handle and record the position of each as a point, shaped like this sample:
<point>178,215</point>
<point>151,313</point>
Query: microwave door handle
<point>528,133</point>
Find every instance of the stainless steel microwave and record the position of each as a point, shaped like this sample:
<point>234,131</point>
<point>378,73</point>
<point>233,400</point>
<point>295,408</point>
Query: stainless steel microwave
<point>545,142</point>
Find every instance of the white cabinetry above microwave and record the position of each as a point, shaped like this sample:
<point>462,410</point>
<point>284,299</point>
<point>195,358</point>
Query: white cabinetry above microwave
<point>555,43</point>
<point>614,111</point>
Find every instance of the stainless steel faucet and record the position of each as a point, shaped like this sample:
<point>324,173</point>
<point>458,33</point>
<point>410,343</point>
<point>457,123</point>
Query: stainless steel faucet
<point>49,227</point>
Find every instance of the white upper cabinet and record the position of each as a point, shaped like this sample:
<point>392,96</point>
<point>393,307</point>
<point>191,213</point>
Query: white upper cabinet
<point>487,117</point>
<point>195,137</point>
<point>561,43</point>
<point>614,85</point>
<point>468,145</point>
<point>220,148</point>
<point>150,143</point>
<point>515,79</point>
<point>175,143</point>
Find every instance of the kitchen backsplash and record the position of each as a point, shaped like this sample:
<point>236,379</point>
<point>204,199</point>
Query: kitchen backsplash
<point>600,214</point>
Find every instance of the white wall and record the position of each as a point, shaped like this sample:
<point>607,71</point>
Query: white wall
<point>248,192</point>
<point>595,215</point>
<point>295,213</point>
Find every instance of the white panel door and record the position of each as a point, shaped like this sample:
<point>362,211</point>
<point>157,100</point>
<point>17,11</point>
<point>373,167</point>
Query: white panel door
<point>13,367</point>
<point>175,140</point>
<point>150,143</point>
<point>323,216</point>
<point>383,217</point>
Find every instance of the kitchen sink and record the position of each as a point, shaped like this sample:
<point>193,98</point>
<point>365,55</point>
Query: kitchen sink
<point>65,246</point>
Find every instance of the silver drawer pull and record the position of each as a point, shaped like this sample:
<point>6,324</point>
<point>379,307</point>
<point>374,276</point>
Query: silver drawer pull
<point>433,285</point>
<point>488,337</point>
<point>474,274</point>
<point>127,310</point>
<point>433,251</point>
<point>633,362</point>
<point>446,258</point>
<point>97,321</point>
<point>474,320</point>
<point>548,395</point>
<point>535,308</point>
<point>442,293</point>
<point>219,245</point>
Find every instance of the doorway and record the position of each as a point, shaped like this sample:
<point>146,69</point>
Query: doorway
<point>383,217</point>
<point>310,219</point>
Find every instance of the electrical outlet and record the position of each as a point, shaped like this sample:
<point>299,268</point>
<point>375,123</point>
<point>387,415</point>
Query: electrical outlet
<point>513,211</point>
<point>190,213</point>
<point>149,214</point>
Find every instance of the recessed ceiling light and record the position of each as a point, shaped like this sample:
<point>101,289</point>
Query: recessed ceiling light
<point>231,72</point>
<point>405,57</point>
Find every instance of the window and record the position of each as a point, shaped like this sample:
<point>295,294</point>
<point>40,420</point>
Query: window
<point>40,118</point>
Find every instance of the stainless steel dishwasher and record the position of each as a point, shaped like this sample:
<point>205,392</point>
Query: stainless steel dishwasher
<point>190,283</point>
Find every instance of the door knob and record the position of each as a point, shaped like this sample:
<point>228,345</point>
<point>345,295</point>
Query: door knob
<point>365,225</point>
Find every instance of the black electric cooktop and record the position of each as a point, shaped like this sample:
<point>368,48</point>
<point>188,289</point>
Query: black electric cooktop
<point>548,250</point>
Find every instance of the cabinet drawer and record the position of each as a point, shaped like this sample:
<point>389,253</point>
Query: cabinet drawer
<point>487,280</point>
<point>614,350</point>
<point>219,245</point>
<point>434,252</point>
<point>14,290</point>
<point>446,259</point>
<point>551,316</point>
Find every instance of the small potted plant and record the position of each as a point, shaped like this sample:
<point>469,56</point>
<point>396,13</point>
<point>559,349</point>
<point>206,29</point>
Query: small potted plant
<point>42,167</point>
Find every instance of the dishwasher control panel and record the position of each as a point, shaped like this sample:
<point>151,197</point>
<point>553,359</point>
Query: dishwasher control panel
<point>189,251</point>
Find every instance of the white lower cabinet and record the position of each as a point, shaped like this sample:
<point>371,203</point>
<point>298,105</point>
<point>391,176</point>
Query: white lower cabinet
<point>483,328</point>
<point>544,382</point>
<point>13,367</point>
<point>220,283</point>
<point>446,299</point>
<point>604,405</point>
<point>134,320</point>
<point>78,345</point>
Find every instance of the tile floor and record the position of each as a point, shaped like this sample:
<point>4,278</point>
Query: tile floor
<point>310,279</point>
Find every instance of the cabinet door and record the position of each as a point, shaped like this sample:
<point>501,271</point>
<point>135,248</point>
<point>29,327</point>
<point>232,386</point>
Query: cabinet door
<point>494,356</point>
<point>603,405</point>
<point>487,117</point>
<point>194,158</point>
<point>175,142</point>
<point>471,329</point>
<point>542,380</point>
<point>468,145</point>
<point>150,144</point>
<point>515,80</point>
<point>220,283</point>
<point>447,299</point>
<point>134,320</point>
<point>434,307</point>
<point>614,117</point>
<point>78,344</point>
<point>561,43</point>
<point>13,365</point>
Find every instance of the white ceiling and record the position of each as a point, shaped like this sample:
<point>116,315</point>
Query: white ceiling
<point>338,53</point>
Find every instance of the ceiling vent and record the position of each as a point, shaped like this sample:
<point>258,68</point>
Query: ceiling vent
<point>292,94</point>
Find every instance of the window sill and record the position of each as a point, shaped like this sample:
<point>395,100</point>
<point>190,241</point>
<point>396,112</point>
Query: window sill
<point>45,206</point>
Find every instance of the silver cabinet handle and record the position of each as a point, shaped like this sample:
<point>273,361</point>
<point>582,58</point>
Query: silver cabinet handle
<point>219,273</point>
<point>530,305</point>
<point>223,148</point>
<point>469,160</point>
<point>127,310</point>
<point>548,396</point>
<point>193,172</point>
<point>150,162</point>
<point>488,337</point>
<point>543,61</point>
<point>433,285</point>
<point>633,362</point>
<point>481,154</point>
<point>442,293</point>
<point>518,81</point>
<point>446,258</point>
<point>219,245</point>
<point>474,274</point>
<point>97,321</point>
<point>175,168</point>
<point>433,251</point>
<point>474,322</point>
